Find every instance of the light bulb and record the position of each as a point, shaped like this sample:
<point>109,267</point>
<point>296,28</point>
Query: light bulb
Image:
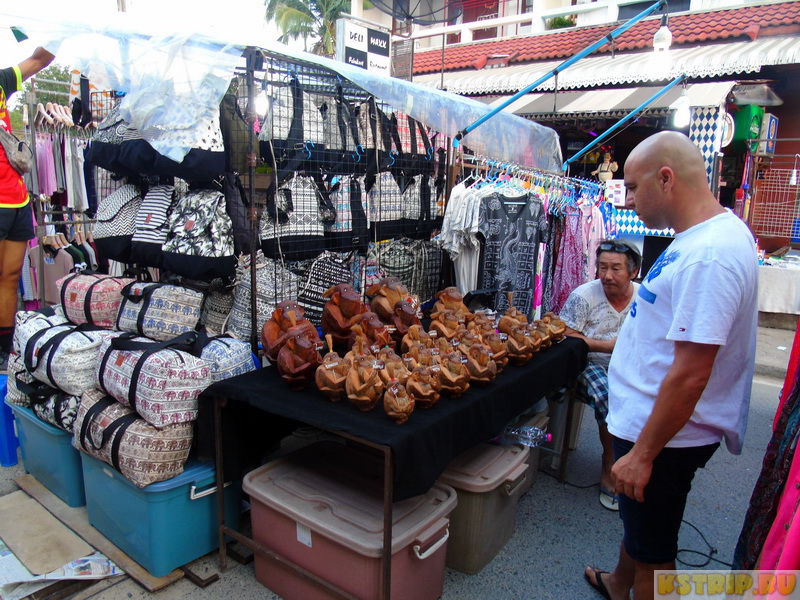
<point>662,40</point>
<point>683,113</point>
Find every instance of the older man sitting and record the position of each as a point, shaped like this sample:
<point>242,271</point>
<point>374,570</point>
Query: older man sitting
<point>594,312</point>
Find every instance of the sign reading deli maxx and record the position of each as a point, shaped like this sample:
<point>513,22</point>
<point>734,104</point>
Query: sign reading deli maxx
<point>363,46</point>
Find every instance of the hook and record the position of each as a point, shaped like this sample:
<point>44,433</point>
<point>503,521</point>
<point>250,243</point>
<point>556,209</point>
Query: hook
<point>392,155</point>
<point>307,150</point>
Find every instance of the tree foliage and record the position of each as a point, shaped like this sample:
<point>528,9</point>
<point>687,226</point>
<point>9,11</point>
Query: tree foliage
<point>44,92</point>
<point>309,20</point>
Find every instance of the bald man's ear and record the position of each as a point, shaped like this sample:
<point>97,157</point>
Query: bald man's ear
<point>666,177</point>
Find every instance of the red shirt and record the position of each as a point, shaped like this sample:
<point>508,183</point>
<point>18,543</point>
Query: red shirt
<point>13,193</point>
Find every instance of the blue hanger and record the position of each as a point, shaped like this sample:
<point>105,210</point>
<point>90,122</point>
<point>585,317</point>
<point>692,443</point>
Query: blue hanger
<point>307,150</point>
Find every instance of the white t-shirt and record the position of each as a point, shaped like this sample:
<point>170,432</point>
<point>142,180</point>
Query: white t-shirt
<point>588,311</point>
<point>703,288</point>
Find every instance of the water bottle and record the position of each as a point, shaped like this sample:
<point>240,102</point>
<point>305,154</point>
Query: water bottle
<point>526,435</point>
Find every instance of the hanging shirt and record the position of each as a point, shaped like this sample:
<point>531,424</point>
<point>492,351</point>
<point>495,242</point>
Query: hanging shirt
<point>12,188</point>
<point>511,225</point>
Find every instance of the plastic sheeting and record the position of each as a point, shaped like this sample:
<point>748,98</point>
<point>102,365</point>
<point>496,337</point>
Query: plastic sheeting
<point>174,83</point>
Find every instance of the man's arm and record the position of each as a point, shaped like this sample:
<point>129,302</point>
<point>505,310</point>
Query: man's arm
<point>35,62</point>
<point>594,344</point>
<point>678,395</point>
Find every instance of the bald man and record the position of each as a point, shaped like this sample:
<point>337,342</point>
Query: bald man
<point>682,367</point>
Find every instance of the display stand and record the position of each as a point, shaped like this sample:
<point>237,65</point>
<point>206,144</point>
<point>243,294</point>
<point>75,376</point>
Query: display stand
<point>415,453</point>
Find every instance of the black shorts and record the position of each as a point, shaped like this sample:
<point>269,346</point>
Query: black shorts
<point>651,527</point>
<point>16,224</point>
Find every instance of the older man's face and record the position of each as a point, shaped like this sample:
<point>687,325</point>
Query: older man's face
<point>612,271</point>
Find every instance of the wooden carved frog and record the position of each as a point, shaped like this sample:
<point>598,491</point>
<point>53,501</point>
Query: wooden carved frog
<point>287,314</point>
<point>374,330</point>
<point>363,384</point>
<point>497,344</point>
<point>397,403</point>
<point>331,375</point>
<point>545,333</point>
<point>385,294</point>
<point>341,312</point>
<point>480,365</point>
<point>512,318</point>
<point>450,298</point>
<point>447,323</point>
<point>415,334</point>
<point>298,358</point>
<point>519,348</point>
<point>556,326</point>
<point>454,376</point>
<point>405,316</point>
<point>423,386</point>
<point>464,340</point>
<point>394,368</point>
<point>482,325</point>
<point>419,355</point>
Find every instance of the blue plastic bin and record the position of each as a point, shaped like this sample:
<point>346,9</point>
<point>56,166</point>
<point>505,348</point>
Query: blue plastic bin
<point>163,525</point>
<point>9,442</point>
<point>48,455</point>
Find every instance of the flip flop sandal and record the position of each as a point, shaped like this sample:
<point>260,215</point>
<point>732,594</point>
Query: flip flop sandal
<point>599,587</point>
<point>609,500</point>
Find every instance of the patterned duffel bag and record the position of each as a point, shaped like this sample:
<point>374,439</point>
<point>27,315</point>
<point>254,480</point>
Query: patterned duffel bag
<point>115,434</point>
<point>50,405</point>
<point>227,357</point>
<point>159,311</point>
<point>159,380</point>
<point>17,374</point>
<point>65,356</point>
<point>28,322</point>
<point>92,298</point>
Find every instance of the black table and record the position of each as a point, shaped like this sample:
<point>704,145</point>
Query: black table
<point>424,445</point>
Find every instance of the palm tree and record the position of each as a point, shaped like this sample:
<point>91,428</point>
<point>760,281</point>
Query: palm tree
<point>315,19</point>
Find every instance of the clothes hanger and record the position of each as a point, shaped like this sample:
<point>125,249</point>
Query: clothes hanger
<point>42,113</point>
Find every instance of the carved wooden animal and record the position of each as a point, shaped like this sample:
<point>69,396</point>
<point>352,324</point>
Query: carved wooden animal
<point>497,345</point>
<point>360,346</point>
<point>374,330</point>
<point>481,367</point>
<point>545,333</point>
<point>331,375</point>
<point>464,340</point>
<point>511,318</point>
<point>518,346</point>
<point>363,385</point>
<point>453,376</point>
<point>446,324</point>
<point>397,403</point>
<point>419,355</point>
<point>341,312</point>
<point>423,386</point>
<point>286,315</point>
<point>416,334</point>
<point>405,316</point>
<point>556,325</point>
<point>385,294</point>
<point>394,369</point>
<point>450,298</point>
<point>298,358</point>
<point>482,325</point>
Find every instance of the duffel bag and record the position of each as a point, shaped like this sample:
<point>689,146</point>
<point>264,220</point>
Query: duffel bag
<point>115,434</point>
<point>159,311</point>
<point>28,322</point>
<point>17,376</point>
<point>91,298</point>
<point>159,380</point>
<point>226,357</point>
<point>51,405</point>
<point>65,356</point>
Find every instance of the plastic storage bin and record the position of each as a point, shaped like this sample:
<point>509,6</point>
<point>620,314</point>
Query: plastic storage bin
<point>488,480</point>
<point>48,455</point>
<point>163,525</point>
<point>322,508</point>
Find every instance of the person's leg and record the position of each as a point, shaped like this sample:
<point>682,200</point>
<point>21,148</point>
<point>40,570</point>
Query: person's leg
<point>12,255</point>
<point>607,460</point>
<point>618,582</point>
<point>644,577</point>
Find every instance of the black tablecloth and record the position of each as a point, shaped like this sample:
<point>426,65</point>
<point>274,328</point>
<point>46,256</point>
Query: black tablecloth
<point>424,445</point>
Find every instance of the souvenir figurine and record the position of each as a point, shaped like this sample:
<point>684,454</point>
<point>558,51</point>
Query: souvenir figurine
<point>446,324</point>
<point>480,365</point>
<point>519,348</point>
<point>397,403</point>
<point>556,325</point>
<point>286,315</point>
<point>331,375</point>
<point>405,315</point>
<point>482,324</point>
<point>363,384</point>
<point>423,387</point>
<point>464,340</point>
<point>415,334</point>
<point>394,368</point>
<point>374,330</point>
<point>419,355</point>
<point>533,337</point>
<point>453,376</point>
<point>342,310</point>
<point>512,318</point>
<point>450,298</point>
<point>360,346</point>
<point>545,333</point>
<point>441,345</point>
<point>497,344</point>
<point>385,294</point>
<point>298,358</point>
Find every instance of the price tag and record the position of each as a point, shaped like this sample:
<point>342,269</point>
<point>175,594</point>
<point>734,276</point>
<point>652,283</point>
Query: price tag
<point>378,364</point>
<point>433,333</point>
<point>464,359</point>
<point>331,365</point>
<point>435,351</point>
<point>455,343</point>
<point>375,347</point>
<point>504,337</point>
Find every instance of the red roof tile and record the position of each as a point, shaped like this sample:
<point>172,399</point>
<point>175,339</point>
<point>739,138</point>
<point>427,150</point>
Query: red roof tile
<point>781,18</point>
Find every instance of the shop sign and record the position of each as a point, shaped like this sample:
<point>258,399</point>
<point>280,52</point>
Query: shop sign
<point>363,47</point>
<point>615,192</point>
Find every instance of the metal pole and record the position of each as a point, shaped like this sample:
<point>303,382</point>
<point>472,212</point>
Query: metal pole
<point>624,120</point>
<point>567,63</point>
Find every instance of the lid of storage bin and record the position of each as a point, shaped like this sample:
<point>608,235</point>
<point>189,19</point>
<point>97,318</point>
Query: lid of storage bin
<point>195,472</point>
<point>484,467</point>
<point>337,491</point>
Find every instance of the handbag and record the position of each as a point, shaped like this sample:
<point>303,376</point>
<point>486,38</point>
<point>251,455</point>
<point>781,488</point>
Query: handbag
<point>116,223</point>
<point>200,241</point>
<point>158,311</point>
<point>152,226</point>
<point>17,376</point>
<point>52,406</point>
<point>115,434</point>
<point>217,307</point>
<point>27,323</point>
<point>226,357</point>
<point>327,270</point>
<point>65,356</point>
<point>91,298</point>
<point>159,380</point>
<point>18,153</point>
